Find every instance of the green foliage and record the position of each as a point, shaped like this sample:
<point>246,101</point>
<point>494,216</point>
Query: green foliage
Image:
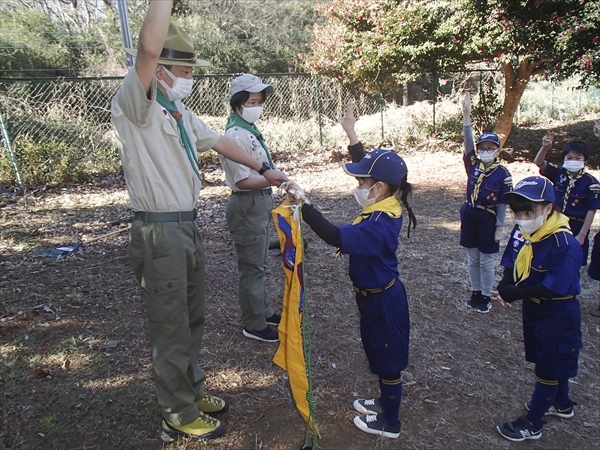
<point>56,163</point>
<point>380,44</point>
<point>31,40</point>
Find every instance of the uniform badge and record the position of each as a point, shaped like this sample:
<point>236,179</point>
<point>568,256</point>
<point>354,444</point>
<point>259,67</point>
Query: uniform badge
<point>253,141</point>
<point>518,236</point>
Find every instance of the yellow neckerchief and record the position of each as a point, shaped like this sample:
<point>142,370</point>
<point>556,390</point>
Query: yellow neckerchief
<point>555,223</point>
<point>388,205</point>
<point>572,179</point>
<point>482,172</point>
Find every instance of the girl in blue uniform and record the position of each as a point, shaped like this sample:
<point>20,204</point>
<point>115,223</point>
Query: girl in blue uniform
<point>576,192</point>
<point>541,267</point>
<point>483,213</point>
<point>371,243</point>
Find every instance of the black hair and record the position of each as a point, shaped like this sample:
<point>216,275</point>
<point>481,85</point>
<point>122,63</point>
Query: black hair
<point>238,99</point>
<point>168,67</point>
<point>519,204</point>
<point>403,191</point>
<point>576,147</point>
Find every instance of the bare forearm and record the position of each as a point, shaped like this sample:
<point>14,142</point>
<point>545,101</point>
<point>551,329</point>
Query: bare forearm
<point>233,151</point>
<point>587,222</point>
<point>253,183</point>
<point>152,38</point>
<point>540,158</point>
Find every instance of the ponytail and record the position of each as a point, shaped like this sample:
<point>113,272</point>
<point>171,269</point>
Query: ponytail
<point>402,194</point>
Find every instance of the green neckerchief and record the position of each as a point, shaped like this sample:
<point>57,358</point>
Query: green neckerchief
<point>185,138</point>
<point>236,121</point>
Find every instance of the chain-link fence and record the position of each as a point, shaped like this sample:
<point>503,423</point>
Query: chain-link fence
<point>56,130</point>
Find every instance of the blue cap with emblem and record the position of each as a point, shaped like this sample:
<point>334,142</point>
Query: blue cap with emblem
<point>384,165</point>
<point>536,189</point>
<point>488,136</point>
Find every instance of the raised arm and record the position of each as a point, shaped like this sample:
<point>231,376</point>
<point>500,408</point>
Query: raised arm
<point>540,158</point>
<point>152,38</point>
<point>468,144</point>
<point>355,147</point>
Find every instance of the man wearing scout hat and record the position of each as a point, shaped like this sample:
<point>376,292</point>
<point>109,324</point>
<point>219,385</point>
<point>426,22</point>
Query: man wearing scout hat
<point>159,138</point>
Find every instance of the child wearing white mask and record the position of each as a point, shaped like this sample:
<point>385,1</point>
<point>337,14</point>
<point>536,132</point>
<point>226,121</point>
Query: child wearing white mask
<point>483,213</point>
<point>576,192</point>
<point>371,242</point>
<point>249,207</point>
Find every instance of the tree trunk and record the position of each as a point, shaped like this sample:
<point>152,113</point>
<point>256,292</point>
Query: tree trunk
<point>514,86</point>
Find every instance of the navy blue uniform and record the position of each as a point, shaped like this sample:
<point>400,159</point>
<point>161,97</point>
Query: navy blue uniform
<point>478,213</point>
<point>551,325</point>
<point>380,295</point>
<point>574,197</point>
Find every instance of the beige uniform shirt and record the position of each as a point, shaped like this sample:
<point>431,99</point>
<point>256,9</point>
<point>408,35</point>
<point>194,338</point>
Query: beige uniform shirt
<point>157,170</point>
<point>235,172</point>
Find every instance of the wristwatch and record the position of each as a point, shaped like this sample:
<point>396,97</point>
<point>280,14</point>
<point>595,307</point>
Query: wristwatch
<point>264,168</point>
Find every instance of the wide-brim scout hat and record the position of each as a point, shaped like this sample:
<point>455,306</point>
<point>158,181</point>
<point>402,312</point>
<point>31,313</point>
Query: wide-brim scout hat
<point>535,189</point>
<point>384,165</point>
<point>488,136</point>
<point>178,49</point>
<point>248,83</point>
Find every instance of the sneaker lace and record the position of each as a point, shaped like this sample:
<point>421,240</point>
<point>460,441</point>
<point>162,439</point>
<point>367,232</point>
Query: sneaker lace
<point>370,402</point>
<point>371,418</point>
<point>212,400</point>
<point>208,419</point>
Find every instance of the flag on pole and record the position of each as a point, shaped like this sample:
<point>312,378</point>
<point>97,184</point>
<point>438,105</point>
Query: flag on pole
<point>293,354</point>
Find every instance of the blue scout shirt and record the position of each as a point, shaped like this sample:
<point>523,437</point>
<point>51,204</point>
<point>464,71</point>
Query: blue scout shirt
<point>583,191</point>
<point>495,181</point>
<point>555,264</point>
<point>488,189</point>
<point>372,246</point>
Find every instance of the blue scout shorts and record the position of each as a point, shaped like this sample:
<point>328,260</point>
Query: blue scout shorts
<point>551,330</point>
<point>477,228</point>
<point>385,329</point>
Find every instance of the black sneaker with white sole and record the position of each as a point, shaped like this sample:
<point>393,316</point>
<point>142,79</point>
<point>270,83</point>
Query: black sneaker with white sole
<point>376,424</point>
<point>519,430</point>
<point>484,305</point>
<point>368,406</point>
<point>274,320</point>
<point>566,412</point>
<point>474,300</point>
<point>267,334</point>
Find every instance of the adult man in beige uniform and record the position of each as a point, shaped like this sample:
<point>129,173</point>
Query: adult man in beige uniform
<point>158,144</point>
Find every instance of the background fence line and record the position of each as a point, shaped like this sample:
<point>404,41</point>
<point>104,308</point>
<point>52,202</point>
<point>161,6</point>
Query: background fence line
<point>71,116</point>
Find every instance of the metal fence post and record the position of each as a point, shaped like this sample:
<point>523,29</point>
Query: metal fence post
<point>9,149</point>
<point>317,80</point>
<point>434,92</point>
<point>382,110</point>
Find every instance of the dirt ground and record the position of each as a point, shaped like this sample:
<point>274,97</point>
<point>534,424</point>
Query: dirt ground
<point>61,389</point>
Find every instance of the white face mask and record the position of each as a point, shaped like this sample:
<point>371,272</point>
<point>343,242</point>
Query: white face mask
<point>487,155</point>
<point>181,86</point>
<point>361,195</point>
<point>530,226</point>
<point>573,165</point>
<point>251,114</point>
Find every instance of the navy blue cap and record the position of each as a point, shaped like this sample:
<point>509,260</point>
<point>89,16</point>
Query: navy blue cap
<point>536,189</point>
<point>488,136</point>
<point>385,165</point>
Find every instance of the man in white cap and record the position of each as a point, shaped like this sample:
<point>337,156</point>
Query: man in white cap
<point>159,138</point>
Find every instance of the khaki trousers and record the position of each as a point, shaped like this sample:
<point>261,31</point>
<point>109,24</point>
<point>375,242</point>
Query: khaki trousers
<point>248,215</point>
<point>168,260</point>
